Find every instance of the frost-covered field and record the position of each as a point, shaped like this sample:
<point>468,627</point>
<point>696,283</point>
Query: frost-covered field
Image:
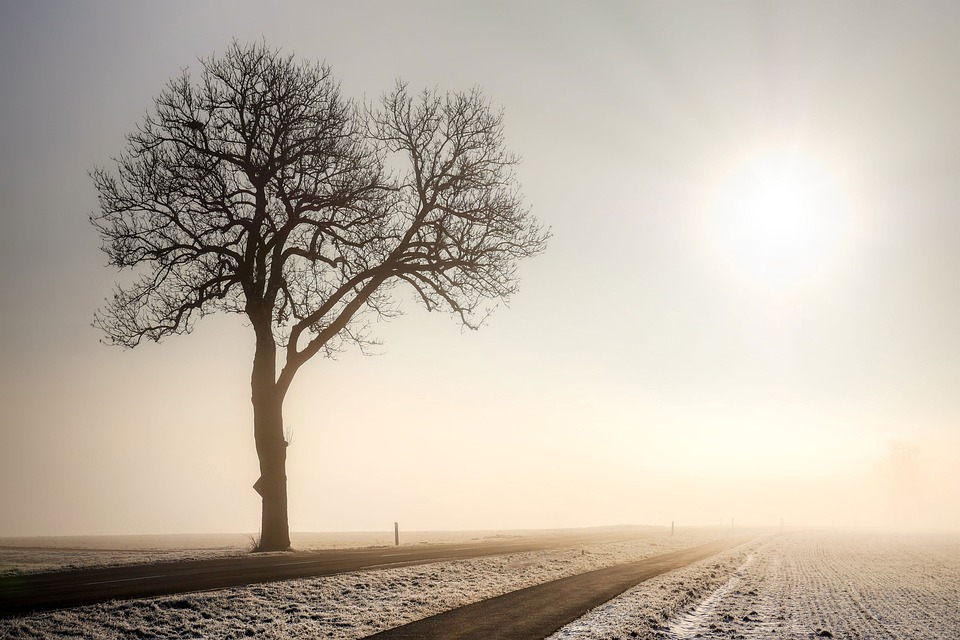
<point>59,553</point>
<point>796,586</point>
<point>350,605</point>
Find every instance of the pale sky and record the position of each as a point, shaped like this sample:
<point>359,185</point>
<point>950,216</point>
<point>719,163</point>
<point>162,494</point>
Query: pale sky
<point>660,363</point>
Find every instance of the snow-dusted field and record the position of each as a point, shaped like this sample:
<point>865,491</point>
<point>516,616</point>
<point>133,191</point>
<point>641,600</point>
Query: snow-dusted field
<point>349,605</point>
<point>796,586</point>
<point>58,553</point>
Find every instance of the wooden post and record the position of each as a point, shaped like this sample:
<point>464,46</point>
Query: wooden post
<point>671,527</point>
<point>396,533</point>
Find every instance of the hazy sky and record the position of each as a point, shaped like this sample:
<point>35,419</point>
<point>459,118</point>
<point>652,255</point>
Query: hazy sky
<point>662,361</point>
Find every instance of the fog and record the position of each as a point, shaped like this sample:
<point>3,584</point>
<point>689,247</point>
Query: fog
<point>652,369</point>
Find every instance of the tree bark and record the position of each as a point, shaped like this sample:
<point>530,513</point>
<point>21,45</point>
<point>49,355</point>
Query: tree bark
<point>267,400</point>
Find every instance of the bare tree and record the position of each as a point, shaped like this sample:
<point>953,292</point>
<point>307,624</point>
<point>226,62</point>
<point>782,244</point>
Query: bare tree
<point>259,190</point>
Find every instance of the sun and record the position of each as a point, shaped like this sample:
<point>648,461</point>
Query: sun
<point>778,218</point>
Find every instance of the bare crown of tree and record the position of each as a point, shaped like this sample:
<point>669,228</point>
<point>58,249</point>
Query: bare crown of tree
<point>261,190</point>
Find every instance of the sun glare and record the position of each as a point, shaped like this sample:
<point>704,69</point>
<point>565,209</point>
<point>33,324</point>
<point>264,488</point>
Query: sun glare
<point>778,218</point>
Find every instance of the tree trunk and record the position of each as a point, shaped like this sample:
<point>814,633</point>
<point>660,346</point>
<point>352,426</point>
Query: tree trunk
<point>267,400</point>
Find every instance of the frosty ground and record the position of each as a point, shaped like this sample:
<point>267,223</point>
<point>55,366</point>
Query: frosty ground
<point>800,585</point>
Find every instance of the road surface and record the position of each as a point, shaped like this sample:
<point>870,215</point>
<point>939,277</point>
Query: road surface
<point>45,591</point>
<point>537,612</point>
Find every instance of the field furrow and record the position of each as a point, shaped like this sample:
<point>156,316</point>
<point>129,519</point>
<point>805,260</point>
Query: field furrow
<point>801,586</point>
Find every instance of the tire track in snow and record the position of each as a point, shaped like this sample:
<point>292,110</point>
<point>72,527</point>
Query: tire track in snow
<point>694,624</point>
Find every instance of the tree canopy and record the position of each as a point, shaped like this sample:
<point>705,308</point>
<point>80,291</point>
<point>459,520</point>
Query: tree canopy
<point>259,189</point>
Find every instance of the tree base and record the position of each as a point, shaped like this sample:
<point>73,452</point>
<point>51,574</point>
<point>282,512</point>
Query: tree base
<point>259,545</point>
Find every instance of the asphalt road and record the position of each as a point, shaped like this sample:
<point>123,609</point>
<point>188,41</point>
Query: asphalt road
<point>57,590</point>
<point>537,612</point>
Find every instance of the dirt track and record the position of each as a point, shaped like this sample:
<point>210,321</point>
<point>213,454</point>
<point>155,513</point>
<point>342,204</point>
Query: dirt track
<point>536,612</point>
<point>45,591</point>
